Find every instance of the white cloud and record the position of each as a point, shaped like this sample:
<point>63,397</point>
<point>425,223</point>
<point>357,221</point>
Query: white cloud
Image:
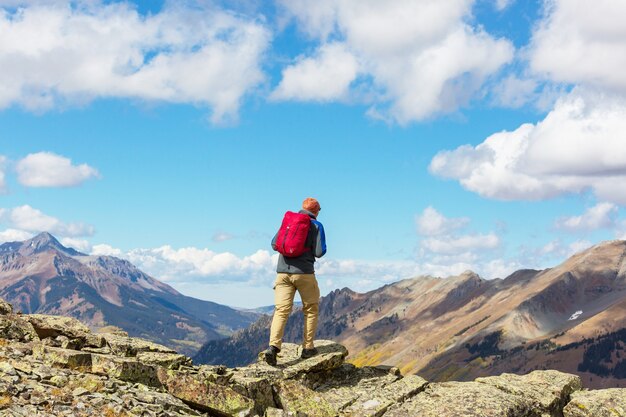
<point>80,245</point>
<point>578,246</point>
<point>500,268</point>
<point>600,216</point>
<point>578,44</point>
<point>578,146</point>
<point>52,53</point>
<point>433,223</point>
<point>28,219</point>
<point>106,250</point>
<point>459,244</point>
<point>503,4</point>
<point>514,92</point>
<point>14,235</point>
<point>421,57</point>
<point>324,77</point>
<point>46,169</point>
<point>172,264</point>
<point>445,244</point>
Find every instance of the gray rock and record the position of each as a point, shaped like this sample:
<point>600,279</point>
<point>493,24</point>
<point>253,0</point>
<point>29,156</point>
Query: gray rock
<point>200,393</point>
<point>130,346</point>
<point>295,397</point>
<point>14,327</point>
<point>5,308</point>
<point>166,360</point>
<point>64,358</point>
<point>52,326</point>
<point>461,399</point>
<point>377,402</point>
<point>548,391</point>
<point>126,369</point>
<point>598,403</point>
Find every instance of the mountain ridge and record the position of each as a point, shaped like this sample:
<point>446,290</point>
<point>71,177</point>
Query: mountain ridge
<point>462,327</point>
<point>41,275</point>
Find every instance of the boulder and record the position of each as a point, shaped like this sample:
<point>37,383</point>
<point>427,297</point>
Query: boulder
<point>5,308</point>
<point>200,393</point>
<point>466,399</point>
<point>548,391</point>
<point>375,403</point>
<point>331,356</point>
<point>166,360</point>
<point>126,369</point>
<point>294,397</point>
<point>343,386</point>
<point>62,358</point>
<point>598,403</point>
<point>255,388</point>
<point>130,346</point>
<point>14,327</point>
<point>52,326</point>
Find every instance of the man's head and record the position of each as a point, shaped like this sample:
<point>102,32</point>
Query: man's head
<point>312,205</point>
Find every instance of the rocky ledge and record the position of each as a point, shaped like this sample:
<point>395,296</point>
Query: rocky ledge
<point>55,366</point>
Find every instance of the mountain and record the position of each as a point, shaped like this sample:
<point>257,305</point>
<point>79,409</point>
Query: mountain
<point>41,275</point>
<point>570,318</point>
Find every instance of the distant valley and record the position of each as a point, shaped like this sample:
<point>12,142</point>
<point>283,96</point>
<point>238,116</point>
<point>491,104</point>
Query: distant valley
<point>41,275</point>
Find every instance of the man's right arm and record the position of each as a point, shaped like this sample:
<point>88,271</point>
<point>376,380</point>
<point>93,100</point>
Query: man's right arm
<point>320,240</point>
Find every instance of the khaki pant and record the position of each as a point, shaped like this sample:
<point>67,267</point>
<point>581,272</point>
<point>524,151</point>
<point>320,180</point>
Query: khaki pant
<point>285,288</point>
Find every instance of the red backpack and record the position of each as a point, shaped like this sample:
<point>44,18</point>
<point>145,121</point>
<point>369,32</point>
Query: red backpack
<point>291,238</point>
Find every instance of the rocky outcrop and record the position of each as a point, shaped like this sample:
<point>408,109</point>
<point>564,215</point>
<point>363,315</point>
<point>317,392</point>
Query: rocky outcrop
<point>54,366</point>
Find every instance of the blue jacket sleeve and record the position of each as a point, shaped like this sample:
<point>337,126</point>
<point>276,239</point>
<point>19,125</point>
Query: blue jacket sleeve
<point>320,241</point>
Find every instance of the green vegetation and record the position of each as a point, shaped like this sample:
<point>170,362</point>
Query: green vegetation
<point>460,332</point>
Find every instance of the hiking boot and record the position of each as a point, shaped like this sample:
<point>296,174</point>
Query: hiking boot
<point>269,355</point>
<point>308,353</point>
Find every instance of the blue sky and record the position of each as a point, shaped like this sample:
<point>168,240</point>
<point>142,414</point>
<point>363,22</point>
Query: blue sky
<point>437,136</point>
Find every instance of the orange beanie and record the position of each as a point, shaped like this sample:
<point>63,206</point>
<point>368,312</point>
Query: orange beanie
<point>311,204</point>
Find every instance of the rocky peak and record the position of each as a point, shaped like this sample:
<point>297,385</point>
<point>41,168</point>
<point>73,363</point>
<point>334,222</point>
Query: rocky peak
<point>45,242</point>
<point>54,365</point>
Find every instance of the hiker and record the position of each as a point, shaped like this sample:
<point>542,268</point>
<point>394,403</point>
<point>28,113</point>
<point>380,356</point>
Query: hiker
<point>296,271</point>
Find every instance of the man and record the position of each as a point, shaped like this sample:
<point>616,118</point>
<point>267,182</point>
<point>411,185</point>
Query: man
<point>298,274</point>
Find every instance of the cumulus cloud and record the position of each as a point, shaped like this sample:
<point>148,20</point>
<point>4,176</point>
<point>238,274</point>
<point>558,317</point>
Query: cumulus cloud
<point>173,264</point>
<point>56,52</point>
<point>14,235</point>
<point>421,57</point>
<point>448,248</point>
<point>600,216</point>
<point>514,91</point>
<point>578,146</point>
<point>324,77</point>
<point>503,4</point>
<point>80,245</point>
<point>443,237</point>
<point>106,250</point>
<point>582,45</point>
<point>460,244</point>
<point>432,223</point>
<point>27,219</point>
<point>46,169</point>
